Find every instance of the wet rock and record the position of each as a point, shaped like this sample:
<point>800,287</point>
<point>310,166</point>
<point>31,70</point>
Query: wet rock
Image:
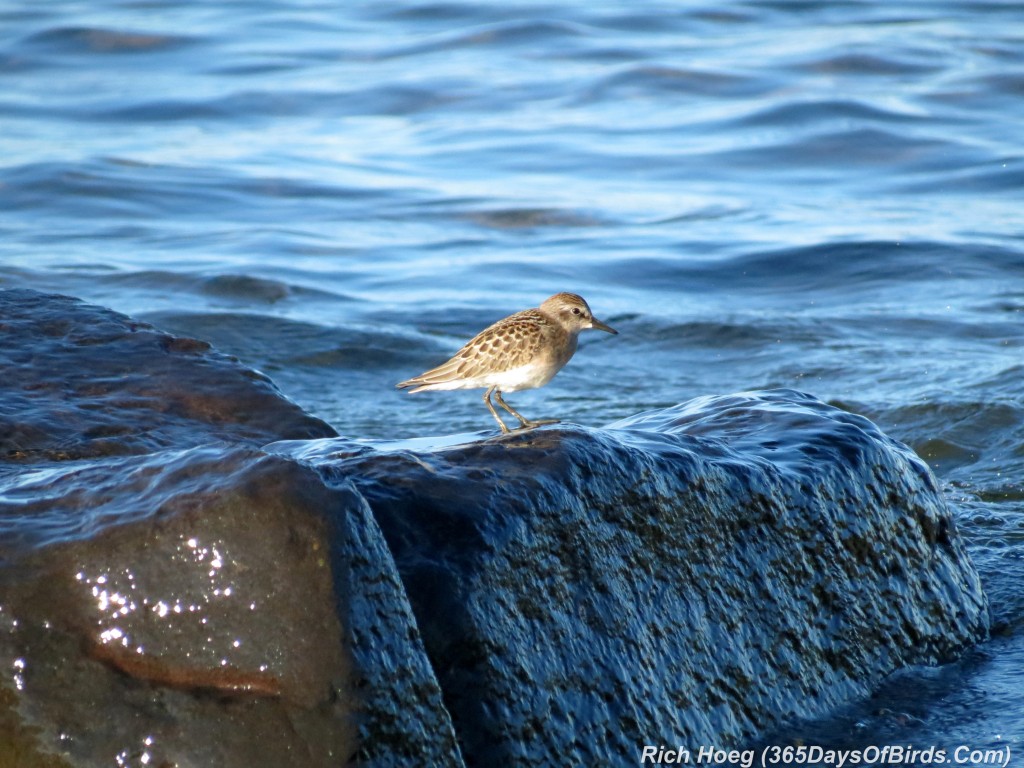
<point>205,631</point>
<point>696,575</point>
<point>169,593</point>
<point>173,589</point>
<point>82,381</point>
<point>234,621</point>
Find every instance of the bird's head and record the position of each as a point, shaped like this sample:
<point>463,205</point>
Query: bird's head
<point>573,313</point>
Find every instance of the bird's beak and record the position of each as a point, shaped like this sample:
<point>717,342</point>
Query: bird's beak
<point>599,326</point>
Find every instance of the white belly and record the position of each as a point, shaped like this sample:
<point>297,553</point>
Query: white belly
<point>523,377</point>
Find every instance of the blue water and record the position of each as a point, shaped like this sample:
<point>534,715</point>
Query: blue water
<point>826,196</point>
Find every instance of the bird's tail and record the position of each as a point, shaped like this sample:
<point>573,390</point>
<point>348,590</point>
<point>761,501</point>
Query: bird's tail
<point>417,382</point>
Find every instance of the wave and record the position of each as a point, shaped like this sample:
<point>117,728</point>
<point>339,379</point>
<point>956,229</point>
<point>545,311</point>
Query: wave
<point>842,267</point>
<point>102,40</point>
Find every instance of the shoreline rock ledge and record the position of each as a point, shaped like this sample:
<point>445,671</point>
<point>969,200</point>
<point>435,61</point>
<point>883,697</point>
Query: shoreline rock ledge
<point>698,575</point>
<point>195,571</point>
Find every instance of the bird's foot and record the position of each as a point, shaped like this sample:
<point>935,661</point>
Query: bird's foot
<point>533,423</point>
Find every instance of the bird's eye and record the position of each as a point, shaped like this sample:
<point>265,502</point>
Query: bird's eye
<point>575,310</point>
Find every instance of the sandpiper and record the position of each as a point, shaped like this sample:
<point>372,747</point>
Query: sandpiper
<point>523,351</point>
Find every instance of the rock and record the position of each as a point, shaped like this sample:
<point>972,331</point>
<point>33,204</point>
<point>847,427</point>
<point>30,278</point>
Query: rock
<point>81,381</point>
<point>691,576</point>
<point>172,595</point>
<point>205,630</point>
<point>175,590</point>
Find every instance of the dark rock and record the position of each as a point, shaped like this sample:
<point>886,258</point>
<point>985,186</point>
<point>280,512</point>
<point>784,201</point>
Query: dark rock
<point>205,625</point>
<point>690,576</point>
<point>169,587</point>
<point>200,605</point>
<point>82,381</point>
<point>220,590</point>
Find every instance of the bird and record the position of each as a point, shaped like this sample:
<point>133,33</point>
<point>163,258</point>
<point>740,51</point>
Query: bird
<point>522,351</point>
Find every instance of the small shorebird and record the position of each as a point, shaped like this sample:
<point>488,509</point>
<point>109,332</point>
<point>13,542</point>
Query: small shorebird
<point>523,351</point>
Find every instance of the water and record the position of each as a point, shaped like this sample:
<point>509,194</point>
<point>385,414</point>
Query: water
<point>826,196</point>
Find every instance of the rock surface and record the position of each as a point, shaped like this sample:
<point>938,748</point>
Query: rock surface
<point>173,587</point>
<point>170,594</point>
<point>691,576</point>
<point>81,381</point>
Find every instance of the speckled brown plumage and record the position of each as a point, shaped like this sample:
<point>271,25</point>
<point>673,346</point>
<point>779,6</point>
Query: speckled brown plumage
<point>521,351</point>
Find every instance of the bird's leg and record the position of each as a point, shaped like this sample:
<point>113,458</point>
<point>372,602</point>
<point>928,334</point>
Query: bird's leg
<point>494,413</point>
<point>526,423</point>
<point>501,401</point>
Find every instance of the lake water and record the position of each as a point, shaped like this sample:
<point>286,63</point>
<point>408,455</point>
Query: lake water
<point>824,196</point>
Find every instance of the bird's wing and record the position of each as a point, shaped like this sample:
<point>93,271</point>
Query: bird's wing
<point>508,344</point>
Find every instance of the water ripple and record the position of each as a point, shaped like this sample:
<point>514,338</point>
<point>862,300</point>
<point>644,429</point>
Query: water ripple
<point>96,40</point>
